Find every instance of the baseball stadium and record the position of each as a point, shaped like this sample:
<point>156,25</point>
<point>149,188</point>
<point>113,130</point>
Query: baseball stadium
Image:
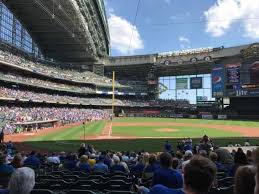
<point>60,88</point>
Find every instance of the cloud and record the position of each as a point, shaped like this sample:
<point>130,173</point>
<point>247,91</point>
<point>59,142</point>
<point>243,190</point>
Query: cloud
<point>121,31</point>
<point>184,42</point>
<point>184,39</point>
<point>224,13</point>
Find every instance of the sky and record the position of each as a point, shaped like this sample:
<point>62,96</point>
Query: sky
<point>169,25</point>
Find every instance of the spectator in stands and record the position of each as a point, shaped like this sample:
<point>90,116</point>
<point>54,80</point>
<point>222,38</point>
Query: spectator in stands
<point>22,181</point>
<point>175,163</point>
<point>32,160</point>
<point>71,162</point>
<point>92,159</point>
<point>62,157</point>
<point>138,168</point>
<point>83,164</point>
<point>214,158</point>
<point>167,147</point>
<point>4,168</point>
<point>107,159</point>
<point>82,150</point>
<point>239,160</point>
<point>17,161</point>
<point>100,166</point>
<point>203,153</point>
<point>117,167</point>
<point>224,157</point>
<point>245,180</point>
<point>186,158</point>
<point>151,167</point>
<point>53,159</point>
<point>199,175</point>
<point>165,175</point>
<point>247,142</point>
<point>123,163</point>
<point>179,156</point>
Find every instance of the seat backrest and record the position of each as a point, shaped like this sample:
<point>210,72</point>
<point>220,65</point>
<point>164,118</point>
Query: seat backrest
<point>120,192</point>
<point>41,191</point>
<point>4,179</point>
<point>226,182</point>
<point>77,191</point>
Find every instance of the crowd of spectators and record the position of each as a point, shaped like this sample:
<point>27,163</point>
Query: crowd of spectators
<point>57,71</point>
<point>45,83</point>
<point>37,96</point>
<point>86,76</point>
<point>174,171</point>
<point>33,96</point>
<point>12,115</point>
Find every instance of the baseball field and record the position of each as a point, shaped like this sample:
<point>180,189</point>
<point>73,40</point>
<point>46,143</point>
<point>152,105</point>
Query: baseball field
<point>137,134</point>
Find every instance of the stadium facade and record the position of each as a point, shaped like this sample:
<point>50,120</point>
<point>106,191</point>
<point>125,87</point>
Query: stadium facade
<point>56,53</point>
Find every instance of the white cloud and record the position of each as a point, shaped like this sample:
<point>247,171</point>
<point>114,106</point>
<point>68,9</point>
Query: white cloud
<point>184,42</point>
<point>184,39</point>
<point>224,13</point>
<point>121,31</point>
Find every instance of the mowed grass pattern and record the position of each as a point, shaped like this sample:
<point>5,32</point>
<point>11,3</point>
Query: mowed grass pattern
<point>192,121</point>
<point>180,131</point>
<point>73,133</point>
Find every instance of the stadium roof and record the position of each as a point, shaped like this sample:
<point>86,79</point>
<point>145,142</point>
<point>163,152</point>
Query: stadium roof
<point>176,63</point>
<point>65,30</point>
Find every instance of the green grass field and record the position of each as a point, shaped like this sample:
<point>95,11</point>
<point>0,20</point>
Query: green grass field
<point>69,139</point>
<point>244,123</point>
<point>151,131</point>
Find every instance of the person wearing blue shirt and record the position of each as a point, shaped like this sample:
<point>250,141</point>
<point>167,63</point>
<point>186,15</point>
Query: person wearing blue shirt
<point>117,167</point>
<point>4,168</point>
<point>167,147</point>
<point>100,166</point>
<point>71,162</point>
<point>83,164</point>
<point>165,175</point>
<point>199,175</point>
<point>32,160</point>
<point>138,168</point>
<point>151,167</point>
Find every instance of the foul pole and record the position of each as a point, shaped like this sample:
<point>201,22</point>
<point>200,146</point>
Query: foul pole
<point>113,91</point>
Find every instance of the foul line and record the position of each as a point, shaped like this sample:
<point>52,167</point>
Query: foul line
<point>110,130</point>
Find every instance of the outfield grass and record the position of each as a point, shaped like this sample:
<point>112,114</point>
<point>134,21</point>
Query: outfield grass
<point>69,139</point>
<point>193,121</point>
<point>73,133</point>
<point>181,131</point>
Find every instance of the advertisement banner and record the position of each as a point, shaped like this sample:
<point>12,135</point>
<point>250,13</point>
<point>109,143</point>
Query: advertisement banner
<point>222,117</point>
<point>181,83</point>
<point>207,116</point>
<point>233,73</point>
<point>218,80</point>
<point>196,82</point>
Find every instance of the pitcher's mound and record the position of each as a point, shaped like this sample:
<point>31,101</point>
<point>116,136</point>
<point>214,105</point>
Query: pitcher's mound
<point>166,130</point>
